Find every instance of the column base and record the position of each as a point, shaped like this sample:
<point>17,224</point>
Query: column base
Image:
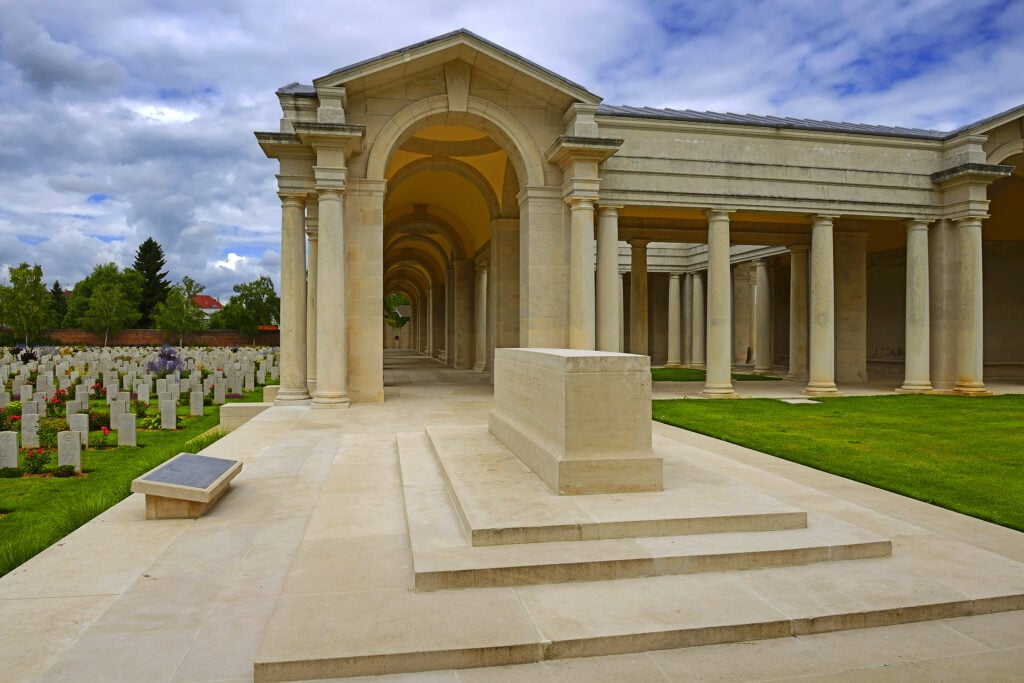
<point>795,377</point>
<point>971,389</point>
<point>821,389</point>
<point>762,371</point>
<point>479,367</point>
<point>915,388</point>
<point>311,386</point>
<point>330,401</point>
<point>697,365</point>
<point>719,391</point>
<point>673,364</point>
<point>291,397</point>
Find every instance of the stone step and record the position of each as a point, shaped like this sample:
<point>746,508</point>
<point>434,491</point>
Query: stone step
<point>500,501</point>
<point>443,559</point>
<point>331,636</point>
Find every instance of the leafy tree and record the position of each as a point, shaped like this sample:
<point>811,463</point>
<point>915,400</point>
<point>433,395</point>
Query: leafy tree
<point>58,304</point>
<point>179,314</point>
<point>25,303</point>
<point>149,260</point>
<point>391,314</point>
<point>254,303</point>
<point>107,301</point>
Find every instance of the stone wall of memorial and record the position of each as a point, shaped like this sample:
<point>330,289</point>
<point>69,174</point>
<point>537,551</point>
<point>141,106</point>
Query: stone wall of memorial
<point>156,337</point>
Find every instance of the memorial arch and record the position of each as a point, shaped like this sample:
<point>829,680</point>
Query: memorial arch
<point>513,208</point>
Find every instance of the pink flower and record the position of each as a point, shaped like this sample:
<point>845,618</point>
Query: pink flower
<point>104,430</point>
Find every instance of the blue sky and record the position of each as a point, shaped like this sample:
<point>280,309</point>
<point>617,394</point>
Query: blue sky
<point>123,120</point>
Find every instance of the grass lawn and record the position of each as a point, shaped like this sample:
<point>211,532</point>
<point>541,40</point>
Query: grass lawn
<point>965,454</point>
<point>35,512</point>
<point>695,375</point>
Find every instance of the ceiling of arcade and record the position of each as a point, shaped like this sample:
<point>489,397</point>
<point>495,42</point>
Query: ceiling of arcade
<point>446,184</point>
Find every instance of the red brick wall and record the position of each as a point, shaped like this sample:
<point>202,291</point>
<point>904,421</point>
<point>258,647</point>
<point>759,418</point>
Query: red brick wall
<point>156,337</point>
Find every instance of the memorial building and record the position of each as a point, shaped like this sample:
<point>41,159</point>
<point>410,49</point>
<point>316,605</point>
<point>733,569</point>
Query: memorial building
<point>514,209</point>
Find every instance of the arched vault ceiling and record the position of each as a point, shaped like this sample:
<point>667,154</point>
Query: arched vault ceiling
<point>446,195</point>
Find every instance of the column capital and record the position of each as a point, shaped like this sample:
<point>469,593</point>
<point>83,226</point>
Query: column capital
<point>312,232</point>
<point>638,243</point>
<point>292,198</point>
<point>969,221</point>
<point>674,275</point>
<point>822,217</point>
<point>483,265</point>
<point>718,214</point>
<point>577,201</point>
<point>916,224</point>
<point>326,191</point>
<point>608,209</point>
<point>799,248</point>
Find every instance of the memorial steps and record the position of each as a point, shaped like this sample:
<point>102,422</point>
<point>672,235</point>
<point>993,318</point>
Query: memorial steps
<point>506,572</point>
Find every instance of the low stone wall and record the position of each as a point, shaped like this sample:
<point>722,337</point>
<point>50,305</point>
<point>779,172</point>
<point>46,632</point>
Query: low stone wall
<point>581,420</point>
<point>75,337</point>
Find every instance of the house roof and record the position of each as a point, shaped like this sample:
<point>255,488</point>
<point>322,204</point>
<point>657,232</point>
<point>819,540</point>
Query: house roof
<point>206,301</point>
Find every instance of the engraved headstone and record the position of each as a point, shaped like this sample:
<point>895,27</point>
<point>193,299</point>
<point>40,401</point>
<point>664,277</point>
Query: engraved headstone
<point>195,403</point>
<point>30,430</point>
<point>5,398</point>
<point>218,393</point>
<point>168,418</point>
<point>126,430</point>
<point>69,450</point>
<point>79,423</point>
<point>8,449</point>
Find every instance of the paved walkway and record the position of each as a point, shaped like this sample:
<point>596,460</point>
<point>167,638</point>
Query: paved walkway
<point>317,510</point>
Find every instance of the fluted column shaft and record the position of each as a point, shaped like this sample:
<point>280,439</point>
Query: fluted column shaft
<point>699,329</point>
<point>798,313</point>
<point>970,334</point>
<point>687,331</point>
<point>674,345</point>
<point>718,382</point>
<point>480,317</point>
<point>917,364</point>
<point>822,310</point>
<point>638,298</point>
<point>332,361</point>
<point>581,273</point>
<point>293,299</point>
<point>608,315</point>
<point>622,313</point>
<point>762,319</point>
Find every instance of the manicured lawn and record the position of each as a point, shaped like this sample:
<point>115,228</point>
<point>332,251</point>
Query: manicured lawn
<point>965,454</point>
<point>38,511</point>
<point>694,375</point>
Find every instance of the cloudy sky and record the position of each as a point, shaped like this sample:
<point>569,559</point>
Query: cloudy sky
<point>127,119</point>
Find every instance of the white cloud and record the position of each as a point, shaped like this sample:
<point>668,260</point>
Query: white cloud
<point>152,104</point>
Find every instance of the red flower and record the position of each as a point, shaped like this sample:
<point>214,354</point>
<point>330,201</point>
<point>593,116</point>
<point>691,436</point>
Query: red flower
<point>104,430</point>
<point>15,417</point>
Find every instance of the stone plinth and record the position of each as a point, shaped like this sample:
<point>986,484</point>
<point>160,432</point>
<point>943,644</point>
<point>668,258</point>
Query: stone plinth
<point>579,419</point>
<point>186,486</point>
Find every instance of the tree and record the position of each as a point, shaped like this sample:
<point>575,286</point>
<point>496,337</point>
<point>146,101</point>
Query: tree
<point>179,314</point>
<point>25,303</point>
<point>58,304</point>
<point>107,301</point>
<point>149,259</point>
<point>254,303</point>
<point>392,316</point>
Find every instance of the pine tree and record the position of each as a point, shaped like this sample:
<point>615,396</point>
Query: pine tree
<point>58,304</point>
<point>148,261</point>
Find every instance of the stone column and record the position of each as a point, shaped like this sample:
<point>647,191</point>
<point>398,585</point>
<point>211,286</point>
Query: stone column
<point>312,222</point>
<point>638,298</point>
<point>762,320</point>
<point>463,310</point>
<point>718,382</point>
<point>798,313</point>
<point>943,300</point>
<point>970,353</point>
<point>332,360</point>
<point>699,330</point>
<point>608,315</point>
<point>622,313</point>
<point>293,299</point>
<point>480,317</point>
<point>822,311</point>
<point>581,273</point>
<point>674,345</point>
<point>918,345</point>
<point>433,327</point>
<point>687,330</point>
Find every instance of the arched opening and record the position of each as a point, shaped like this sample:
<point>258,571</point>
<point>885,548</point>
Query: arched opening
<point>1003,255</point>
<point>451,230</point>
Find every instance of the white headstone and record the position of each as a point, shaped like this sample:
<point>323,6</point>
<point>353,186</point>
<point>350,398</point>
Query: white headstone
<point>79,423</point>
<point>126,433</point>
<point>195,403</point>
<point>8,449</point>
<point>168,418</point>
<point>69,450</point>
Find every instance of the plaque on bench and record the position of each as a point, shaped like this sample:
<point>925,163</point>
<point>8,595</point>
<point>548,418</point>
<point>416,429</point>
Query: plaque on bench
<point>186,486</point>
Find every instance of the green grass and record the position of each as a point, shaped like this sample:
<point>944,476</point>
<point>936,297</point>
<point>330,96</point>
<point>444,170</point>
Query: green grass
<point>36,512</point>
<point>965,454</point>
<point>694,375</point>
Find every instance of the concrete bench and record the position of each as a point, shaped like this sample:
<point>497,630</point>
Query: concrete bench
<point>186,486</point>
